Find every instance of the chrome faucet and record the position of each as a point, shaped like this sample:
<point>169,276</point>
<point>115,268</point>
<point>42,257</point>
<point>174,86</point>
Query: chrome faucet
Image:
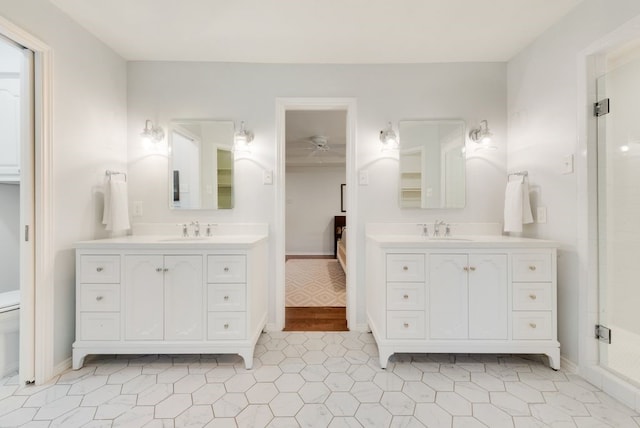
<point>208,232</point>
<point>185,230</point>
<point>436,227</point>
<point>425,231</point>
<point>447,230</point>
<point>196,228</point>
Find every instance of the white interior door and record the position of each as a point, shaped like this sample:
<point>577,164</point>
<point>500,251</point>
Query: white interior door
<point>27,208</point>
<point>618,213</point>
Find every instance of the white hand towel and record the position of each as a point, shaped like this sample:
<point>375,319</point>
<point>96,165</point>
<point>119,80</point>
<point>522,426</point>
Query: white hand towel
<point>106,212</point>
<point>116,215</point>
<point>517,206</point>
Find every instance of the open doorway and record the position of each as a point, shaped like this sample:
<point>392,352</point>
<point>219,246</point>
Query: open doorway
<point>315,220</point>
<point>16,209</point>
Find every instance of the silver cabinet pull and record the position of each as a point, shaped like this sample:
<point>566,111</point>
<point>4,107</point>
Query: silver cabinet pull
<point>99,269</point>
<point>532,268</point>
<point>532,325</point>
<point>405,297</point>
<point>405,268</point>
<point>226,326</point>
<point>406,325</point>
<point>472,268</point>
<point>165,270</point>
<point>226,269</point>
<point>98,298</point>
<point>158,269</point>
<point>226,298</point>
<point>466,268</point>
<point>533,296</point>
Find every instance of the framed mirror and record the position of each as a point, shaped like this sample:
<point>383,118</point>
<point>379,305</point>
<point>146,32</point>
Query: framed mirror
<point>432,164</point>
<point>201,164</point>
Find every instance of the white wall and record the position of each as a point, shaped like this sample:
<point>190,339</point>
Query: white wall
<point>166,90</point>
<point>9,237</point>
<point>543,109</point>
<point>89,122</point>
<point>313,199</point>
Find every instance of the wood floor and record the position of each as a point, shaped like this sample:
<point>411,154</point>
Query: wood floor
<point>315,319</point>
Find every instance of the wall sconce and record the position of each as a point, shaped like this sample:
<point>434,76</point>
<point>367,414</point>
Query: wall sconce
<point>389,138</point>
<point>152,132</point>
<point>481,135</point>
<point>242,140</point>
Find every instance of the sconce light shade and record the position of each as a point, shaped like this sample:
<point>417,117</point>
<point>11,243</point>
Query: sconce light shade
<point>152,132</point>
<point>242,140</point>
<point>389,138</point>
<point>481,135</point>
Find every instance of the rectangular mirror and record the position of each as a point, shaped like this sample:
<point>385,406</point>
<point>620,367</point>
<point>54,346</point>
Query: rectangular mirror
<point>432,164</point>
<point>201,164</point>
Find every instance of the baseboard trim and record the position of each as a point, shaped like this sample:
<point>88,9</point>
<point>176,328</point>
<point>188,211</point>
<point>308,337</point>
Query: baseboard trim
<point>270,327</point>
<point>568,365</point>
<point>62,367</point>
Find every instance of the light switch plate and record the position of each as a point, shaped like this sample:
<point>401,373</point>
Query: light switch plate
<point>541,215</point>
<point>567,164</point>
<point>363,178</point>
<point>137,209</point>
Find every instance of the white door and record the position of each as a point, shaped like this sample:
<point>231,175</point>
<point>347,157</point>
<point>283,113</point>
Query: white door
<point>183,291</point>
<point>448,296</point>
<point>488,293</point>
<point>144,297</point>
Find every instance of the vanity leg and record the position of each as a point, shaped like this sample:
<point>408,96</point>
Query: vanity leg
<point>247,356</point>
<point>384,354</point>
<point>77,359</point>
<point>554,359</point>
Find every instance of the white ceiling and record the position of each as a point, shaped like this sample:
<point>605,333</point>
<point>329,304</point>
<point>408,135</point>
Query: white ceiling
<point>301,126</point>
<point>317,31</point>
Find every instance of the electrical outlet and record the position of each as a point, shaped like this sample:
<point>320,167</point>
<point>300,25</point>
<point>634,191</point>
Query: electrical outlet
<point>541,215</point>
<point>137,209</point>
<point>567,164</point>
<point>363,178</point>
<point>267,177</point>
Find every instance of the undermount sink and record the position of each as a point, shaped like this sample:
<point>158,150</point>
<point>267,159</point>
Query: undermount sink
<point>448,238</point>
<point>189,239</point>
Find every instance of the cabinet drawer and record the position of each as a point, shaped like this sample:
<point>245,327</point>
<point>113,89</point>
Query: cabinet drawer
<point>100,269</point>
<point>226,297</point>
<point>405,267</point>
<point>405,325</point>
<point>534,296</point>
<point>99,297</point>
<point>532,325</point>
<point>226,325</point>
<point>226,269</point>
<point>99,326</point>
<point>403,296</point>
<point>532,267</point>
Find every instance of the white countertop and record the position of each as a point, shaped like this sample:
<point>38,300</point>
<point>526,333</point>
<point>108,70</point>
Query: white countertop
<point>174,242</point>
<point>458,241</point>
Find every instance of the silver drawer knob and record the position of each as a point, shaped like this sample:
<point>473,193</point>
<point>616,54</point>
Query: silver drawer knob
<point>166,269</point>
<point>99,269</point>
<point>405,297</point>
<point>466,268</point>
<point>405,268</point>
<point>226,326</point>
<point>98,298</point>
<point>533,296</point>
<point>472,268</point>
<point>532,268</point>
<point>532,325</point>
<point>226,298</point>
<point>226,269</point>
<point>158,269</point>
<point>406,325</point>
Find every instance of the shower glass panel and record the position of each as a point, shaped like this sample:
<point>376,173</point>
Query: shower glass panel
<point>619,219</point>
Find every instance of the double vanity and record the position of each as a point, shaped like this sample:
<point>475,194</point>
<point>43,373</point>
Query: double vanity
<point>164,294</point>
<point>461,294</point>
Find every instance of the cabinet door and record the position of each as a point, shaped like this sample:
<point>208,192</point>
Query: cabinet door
<point>488,296</point>
<point>184,298</point>
<point>448,317</point>
<point>144,297</point>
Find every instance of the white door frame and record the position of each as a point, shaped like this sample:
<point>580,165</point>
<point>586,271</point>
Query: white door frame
<point>37,301</point>
<point>282,105</point>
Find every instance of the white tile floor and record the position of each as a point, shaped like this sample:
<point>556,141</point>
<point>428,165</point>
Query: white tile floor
<point>313,380</point>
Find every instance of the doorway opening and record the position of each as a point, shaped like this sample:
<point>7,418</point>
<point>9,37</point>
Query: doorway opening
<point>16,210</point>
<point>315,220</point>
<point>345,195</point>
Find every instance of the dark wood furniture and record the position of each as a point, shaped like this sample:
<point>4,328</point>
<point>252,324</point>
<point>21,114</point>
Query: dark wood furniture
<point>339,222</point>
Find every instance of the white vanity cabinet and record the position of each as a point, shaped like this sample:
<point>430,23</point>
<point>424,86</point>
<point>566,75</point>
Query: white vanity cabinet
<point>144,295</point>
<point>476,295</point>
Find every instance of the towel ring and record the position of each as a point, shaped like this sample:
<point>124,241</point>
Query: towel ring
<point>109,173</point>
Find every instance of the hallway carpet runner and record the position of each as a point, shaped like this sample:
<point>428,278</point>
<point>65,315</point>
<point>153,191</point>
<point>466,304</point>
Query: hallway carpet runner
<point>314,282</point>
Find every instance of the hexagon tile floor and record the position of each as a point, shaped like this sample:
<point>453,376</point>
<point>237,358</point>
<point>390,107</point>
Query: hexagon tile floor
<point>313,380</point>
